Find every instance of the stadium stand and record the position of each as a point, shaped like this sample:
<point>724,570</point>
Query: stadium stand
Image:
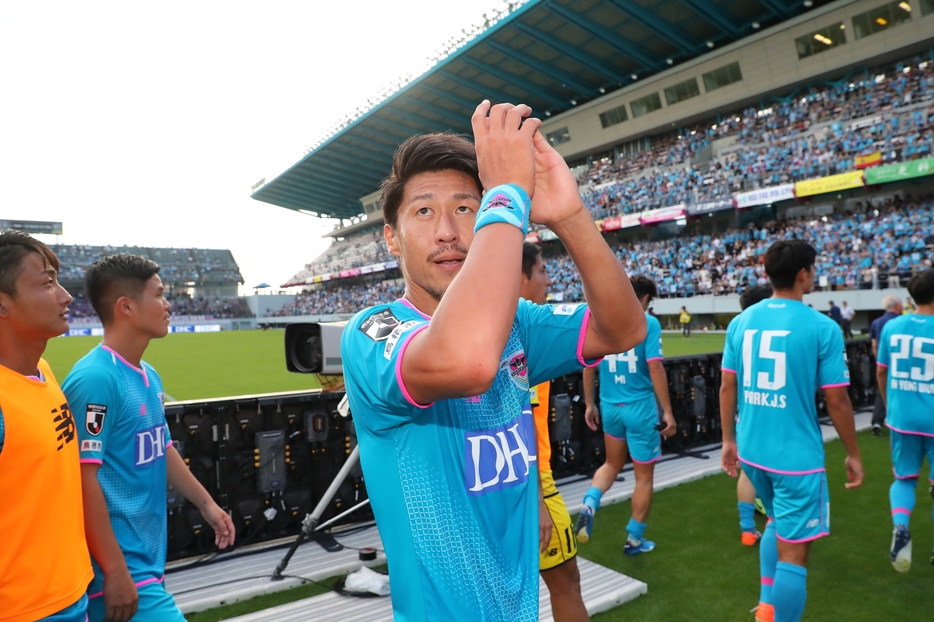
<point>211,270</point>
<point>812,132</point>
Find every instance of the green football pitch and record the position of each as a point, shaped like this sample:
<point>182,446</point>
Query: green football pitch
<point>203,365</point>
<point>700,572</point>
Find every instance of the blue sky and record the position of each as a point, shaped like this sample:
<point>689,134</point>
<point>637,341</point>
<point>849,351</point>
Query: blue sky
<point>147,123</point>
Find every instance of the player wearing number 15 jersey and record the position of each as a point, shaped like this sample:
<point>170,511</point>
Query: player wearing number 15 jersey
<point>777,354</point>
<point>906,384</point>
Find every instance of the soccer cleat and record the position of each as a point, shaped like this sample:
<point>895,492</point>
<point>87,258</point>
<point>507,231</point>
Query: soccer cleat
<point>584,525</point>
<point>751,538</point>
<point>901,549</point>
<point>760,507</point>
<point>876,429</point>
<point>765,613</point>
<point>636,547</point>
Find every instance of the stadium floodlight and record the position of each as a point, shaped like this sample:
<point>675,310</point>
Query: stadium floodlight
<point>710,44</point>
<point>756,25</point>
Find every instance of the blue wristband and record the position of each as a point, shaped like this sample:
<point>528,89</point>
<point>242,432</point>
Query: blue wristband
<point>507,203</point>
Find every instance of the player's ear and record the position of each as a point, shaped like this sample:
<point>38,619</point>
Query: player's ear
<point>392,241</point>
<point>5,300</point>
<point>123,307</point>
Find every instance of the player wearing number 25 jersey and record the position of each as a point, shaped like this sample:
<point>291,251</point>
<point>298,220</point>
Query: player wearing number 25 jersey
<point>906,383</point>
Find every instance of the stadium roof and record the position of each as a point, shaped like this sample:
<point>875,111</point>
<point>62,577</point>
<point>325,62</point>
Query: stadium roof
<point>550,54</point>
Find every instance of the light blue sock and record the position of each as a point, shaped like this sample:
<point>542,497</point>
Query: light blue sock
<point>747,514</point>
<point>768,558</point>
<point>789,592</point>
<point>902,498</point>
<point>592,499</point>
<point>636,529</point>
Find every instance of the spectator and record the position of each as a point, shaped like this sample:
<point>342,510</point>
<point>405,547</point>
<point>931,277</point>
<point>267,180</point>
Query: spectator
<point>846,320</point>
<point>834,313</point>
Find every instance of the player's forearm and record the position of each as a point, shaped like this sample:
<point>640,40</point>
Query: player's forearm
<point>180,478</point>
<point>728,406</point>
<point>882,380</point>
<point>660,384</point>
<point>840,409</point>
<point>102,543</point>
<point>590,385</point>
<point>616,316</point>
<point>875,349</point>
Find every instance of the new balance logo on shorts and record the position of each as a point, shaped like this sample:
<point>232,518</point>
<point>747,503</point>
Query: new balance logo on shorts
<point>499,458</point>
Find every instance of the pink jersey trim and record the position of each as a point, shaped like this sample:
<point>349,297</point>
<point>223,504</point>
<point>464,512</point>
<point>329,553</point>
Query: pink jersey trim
<point>767,581</point>
<point>802,540</point>
<point>138,584</point>
<point>412,307</point>
<point>655,358</point>
<point>402,347</point>
<point>878,364</point>
<point>728,370</point>
<point>580,342</point>
<point>835,386</point>
<point>169,444</point>
<point>901,511</point>
<point>90,461</point>
<point>889,426</point>
<point>139,370</point>
<point>623,440</point>
<point>753,464</point>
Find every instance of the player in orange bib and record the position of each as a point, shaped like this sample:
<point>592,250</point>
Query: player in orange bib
<point>558,563</point>
<point>44,563</point>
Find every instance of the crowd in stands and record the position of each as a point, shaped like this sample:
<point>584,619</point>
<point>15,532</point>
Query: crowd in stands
<point>811,134</point>
<point>868,249</point>
<point>183,305</point>
<point>338,299</point>
<point>176,265</point>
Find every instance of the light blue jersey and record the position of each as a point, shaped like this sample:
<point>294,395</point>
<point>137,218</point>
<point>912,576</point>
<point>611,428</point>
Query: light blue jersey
<point>121,425</point>
<point>453,484</point>
<point>906,348</point>
<point>781,351</point>
<point>625,378</point>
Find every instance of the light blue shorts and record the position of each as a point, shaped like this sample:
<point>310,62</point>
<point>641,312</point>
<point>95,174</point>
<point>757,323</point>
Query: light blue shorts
<point>75,613</point>
<point>155,605</point>
<point>908,452</point>
<point>634,423</point>
<point>799,504</point>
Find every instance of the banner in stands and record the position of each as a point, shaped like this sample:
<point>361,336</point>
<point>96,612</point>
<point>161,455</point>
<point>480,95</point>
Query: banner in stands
<point>865,161</point>
<point>895,172</point>
<point>194,328</point>
<point>84,332</point>
<point>662,214</point>
<point>33,226</point>
<point>764,196</point>
<point>833,183</point>
<point>709,207</point>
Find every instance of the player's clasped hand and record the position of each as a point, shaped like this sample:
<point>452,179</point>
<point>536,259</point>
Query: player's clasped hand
<point>503,136</point>
<point>729,458</point>
<point>854,472</point>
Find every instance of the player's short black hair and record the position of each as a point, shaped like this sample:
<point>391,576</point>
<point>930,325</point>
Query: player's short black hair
<point>643,285</point>
<point>425,153</point>
<point>14,246</point>
<point>530,254</point>
<point>114,277</point>
<point>785,259</point>
<point>921,287</point>
<point>754,294</point>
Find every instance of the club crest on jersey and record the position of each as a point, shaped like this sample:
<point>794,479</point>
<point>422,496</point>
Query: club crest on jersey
<point>94,418</point>
<point>500,457</point>
<point>379,326</point>
<point>518,369</point>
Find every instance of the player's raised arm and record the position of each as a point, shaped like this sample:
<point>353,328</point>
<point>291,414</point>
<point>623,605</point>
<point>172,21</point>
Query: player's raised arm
<point>617,321</point>
<point>458,355</point>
